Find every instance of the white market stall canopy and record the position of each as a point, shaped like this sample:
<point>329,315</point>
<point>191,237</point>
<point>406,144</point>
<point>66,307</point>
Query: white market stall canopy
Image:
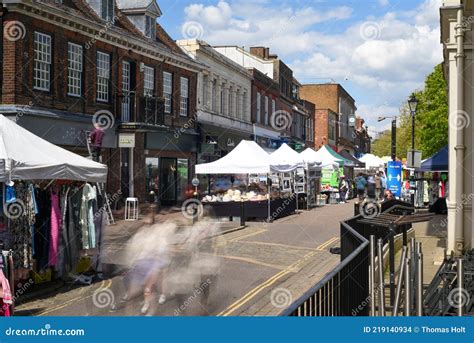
<point>246,158</point>
<point>25,156</point>
<point>285,160</point>
<point>312,157</point>
<point>372,161</point>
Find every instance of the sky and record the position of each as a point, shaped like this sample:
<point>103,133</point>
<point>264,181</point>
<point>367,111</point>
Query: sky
<point>379,50</point>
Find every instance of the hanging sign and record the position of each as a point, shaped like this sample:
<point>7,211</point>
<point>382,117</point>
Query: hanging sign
<point>394,177</point>
<point>126,140</point>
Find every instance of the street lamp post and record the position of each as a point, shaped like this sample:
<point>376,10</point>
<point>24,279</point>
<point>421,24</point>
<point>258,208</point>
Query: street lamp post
<point>413,104</point>
<point>394,135</point>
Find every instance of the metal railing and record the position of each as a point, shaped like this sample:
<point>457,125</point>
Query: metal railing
<point>131,108</point>
<point>344,290</point>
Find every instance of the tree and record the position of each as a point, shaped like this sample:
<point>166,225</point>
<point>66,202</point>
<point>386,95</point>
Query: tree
<point>431,121</point>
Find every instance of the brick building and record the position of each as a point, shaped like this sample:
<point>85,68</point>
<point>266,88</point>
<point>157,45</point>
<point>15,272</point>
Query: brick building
<point>333,102</point>
<point>291,116</point>
<point>362,138</point>
<point>73,63</point>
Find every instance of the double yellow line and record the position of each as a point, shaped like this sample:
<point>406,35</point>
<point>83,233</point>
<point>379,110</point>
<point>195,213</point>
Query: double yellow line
<point>291,269</point>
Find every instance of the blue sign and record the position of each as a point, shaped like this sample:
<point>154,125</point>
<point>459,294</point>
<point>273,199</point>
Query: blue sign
<point>394,178</point>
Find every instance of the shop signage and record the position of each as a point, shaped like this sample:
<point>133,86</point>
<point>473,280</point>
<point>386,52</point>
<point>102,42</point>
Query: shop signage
<point>394,177</point>
<point>230,142</point>
<point>126,140</point>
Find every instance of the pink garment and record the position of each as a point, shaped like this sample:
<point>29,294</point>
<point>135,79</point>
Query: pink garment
<point>7,293</point>
<point>55,227</point>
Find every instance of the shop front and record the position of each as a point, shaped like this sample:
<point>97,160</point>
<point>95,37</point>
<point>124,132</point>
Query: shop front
<point>169,158</point>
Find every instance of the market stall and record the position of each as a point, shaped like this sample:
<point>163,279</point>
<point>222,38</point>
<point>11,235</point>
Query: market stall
<point>49,220</point>
<point>257,202</point>
<point>435,179</point>
<point>372,162</point>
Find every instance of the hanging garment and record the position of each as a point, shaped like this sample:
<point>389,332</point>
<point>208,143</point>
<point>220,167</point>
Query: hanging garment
<point>6,292</point>
<point>20,227</point>
<point>74,232</point>
<point>55,228</point>
<point>42,229</point>
<point>63,252</point>
<point>10,194</point>
<point>34,206</point>
<point>89,195</point>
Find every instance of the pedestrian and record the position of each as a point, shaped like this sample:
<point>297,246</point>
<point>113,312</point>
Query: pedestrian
<point>371,187</point>
<point>383,179</point>
<point>361,183</point>
<point>343,189</point>
<point>388,195</point>
<point>378,186</point>
<point>96,139</point>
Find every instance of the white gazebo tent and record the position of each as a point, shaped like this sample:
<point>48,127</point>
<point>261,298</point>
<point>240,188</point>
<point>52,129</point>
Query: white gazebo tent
<point>325,160</point>
<point>25,156</point>
<point>285,160</point>
<point>246,158</point>
<point>372,162</point>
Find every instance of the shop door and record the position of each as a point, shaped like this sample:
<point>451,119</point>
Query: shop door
<point>125,172</point>
<point>169,182</point>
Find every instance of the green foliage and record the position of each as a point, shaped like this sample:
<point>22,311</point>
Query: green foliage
<point>431,121</point>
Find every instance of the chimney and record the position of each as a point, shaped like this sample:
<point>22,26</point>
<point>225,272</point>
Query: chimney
<point>260,52</point>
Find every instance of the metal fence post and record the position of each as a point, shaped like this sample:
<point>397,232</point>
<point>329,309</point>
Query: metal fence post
<point>460,287</point>
<point>381,286</point>
<point>401,275</point>
<point>391,255</point>
<point>419,280</point>
<point>407,288</point>
<point>372,273</point>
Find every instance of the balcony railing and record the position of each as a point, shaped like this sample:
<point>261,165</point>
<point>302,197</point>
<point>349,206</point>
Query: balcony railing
<point>131,108</point>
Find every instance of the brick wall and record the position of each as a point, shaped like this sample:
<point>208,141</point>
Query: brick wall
<point>323,96</point>
<point>19,70</point>
<point>321,134</point>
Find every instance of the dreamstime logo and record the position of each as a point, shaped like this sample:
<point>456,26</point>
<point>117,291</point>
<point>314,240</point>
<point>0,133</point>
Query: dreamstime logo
<point>370,30</point>
<point>459,120</point>
<point>459,297</point>
<point>103,297</point>
<point>105,119</point>
<point>14,31</point>
<point>191,208</point>
<point>281,120</point>
<point>281,298</point>
<point>369,209</point>
<point>14,210</point>
<point>192,30</point>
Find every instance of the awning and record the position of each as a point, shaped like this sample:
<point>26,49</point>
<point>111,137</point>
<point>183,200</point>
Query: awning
<point>355,161</point>
<point>26,156</point>
<point>285,160</point>
<point>439,162</point>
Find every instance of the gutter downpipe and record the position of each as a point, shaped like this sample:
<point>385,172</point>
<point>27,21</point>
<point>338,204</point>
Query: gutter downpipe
<point>455,230</point>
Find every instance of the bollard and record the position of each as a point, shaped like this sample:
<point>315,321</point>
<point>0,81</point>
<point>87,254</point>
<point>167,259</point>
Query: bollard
<point>419,281</point>
<point>381,291</point>
<point>407,288</point>
<point>242,213</point>
<point>372,273</point>
<point>401,275</point>
<point>460,287</point>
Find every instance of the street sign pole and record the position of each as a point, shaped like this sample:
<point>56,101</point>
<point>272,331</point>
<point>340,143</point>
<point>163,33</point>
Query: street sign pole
<point>394,139</point>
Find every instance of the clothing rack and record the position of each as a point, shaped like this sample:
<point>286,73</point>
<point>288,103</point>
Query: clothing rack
<point>8,254</point>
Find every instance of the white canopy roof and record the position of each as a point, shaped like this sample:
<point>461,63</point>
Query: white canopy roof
<point>246,158</point>
<point>326,159</point>
<point>25,156</point>
<point>372,161</point>
<point>285,159</point>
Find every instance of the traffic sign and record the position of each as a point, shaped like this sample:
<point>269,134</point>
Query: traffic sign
<point>394,178</point>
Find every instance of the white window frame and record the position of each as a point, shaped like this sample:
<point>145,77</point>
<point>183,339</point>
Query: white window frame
<point>150,27</point>
<point>109,13</point>
<point>126,102</point>
<point>259,107</point>
<point>148,81</point>
<point>75,67</point>
<point>168,91</point>
<point>42,68</point>
<point>184,97</point>
<point>103,77</point>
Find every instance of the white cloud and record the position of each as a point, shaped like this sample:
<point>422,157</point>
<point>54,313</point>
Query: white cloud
<point>384,58</point>
<point>384,3</point>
